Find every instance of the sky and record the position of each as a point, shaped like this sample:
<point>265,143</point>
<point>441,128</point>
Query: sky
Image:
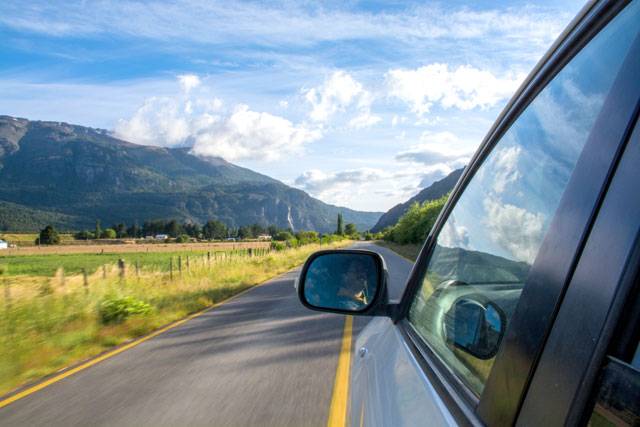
<point>360,104</point>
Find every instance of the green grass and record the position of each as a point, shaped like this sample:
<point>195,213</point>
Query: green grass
<point>54,324</point>
<point>47,265</point>
<point>409,251</point>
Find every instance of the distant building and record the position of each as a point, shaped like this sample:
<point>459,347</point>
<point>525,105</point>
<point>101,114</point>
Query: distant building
<point>4,245</point>
<point>264,237</point>
<point>161,237</point>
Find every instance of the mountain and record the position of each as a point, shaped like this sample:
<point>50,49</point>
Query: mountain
<point>434,191</point>
<point>52,172</point>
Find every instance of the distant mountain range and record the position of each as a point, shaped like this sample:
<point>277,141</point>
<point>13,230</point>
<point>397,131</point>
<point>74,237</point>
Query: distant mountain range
<point>69,176</point>
<point>434,191</point>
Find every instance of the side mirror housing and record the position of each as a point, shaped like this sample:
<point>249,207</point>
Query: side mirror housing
<point>344,281</point>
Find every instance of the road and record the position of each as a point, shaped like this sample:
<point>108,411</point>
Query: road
<point>260,359</point>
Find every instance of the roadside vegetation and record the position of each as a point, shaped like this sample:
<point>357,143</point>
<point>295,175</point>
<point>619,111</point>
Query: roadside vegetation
<point>49,322</point>
<point>408,234</point>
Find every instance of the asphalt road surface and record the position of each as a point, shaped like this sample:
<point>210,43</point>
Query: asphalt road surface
<point>260,359</point>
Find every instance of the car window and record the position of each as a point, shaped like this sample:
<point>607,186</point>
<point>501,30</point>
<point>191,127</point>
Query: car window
<point>487,246</point>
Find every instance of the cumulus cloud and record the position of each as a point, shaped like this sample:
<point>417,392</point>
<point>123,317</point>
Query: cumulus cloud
<point>339,93</point>
<point>201,122</point>
<point>247,134</point>
<point>464,87</point>
<point>188,82</point>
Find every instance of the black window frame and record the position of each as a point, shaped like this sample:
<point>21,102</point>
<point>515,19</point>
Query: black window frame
<point>503,395</point>
<point>605,277</point>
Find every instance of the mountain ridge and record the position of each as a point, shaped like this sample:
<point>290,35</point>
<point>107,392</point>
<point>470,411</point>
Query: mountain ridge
<point>79,174</point>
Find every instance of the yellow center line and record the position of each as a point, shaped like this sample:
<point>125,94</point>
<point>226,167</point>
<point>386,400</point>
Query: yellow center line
<point>339,400</point>
<point>30,390</point>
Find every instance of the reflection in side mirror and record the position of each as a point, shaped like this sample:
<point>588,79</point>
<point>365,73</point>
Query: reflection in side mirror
<point>346,281</point>
<point>474,327</point>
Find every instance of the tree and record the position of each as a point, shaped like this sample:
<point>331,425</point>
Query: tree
<point>134,231</point>
<point>244,232</point>
<point>121,230</point>
<point>98,231</point>
<point>214,229</point>
<point>339,228</point>
<point>109,233</point>
<point>48,236</point>
<point>174,229</point>
<point>350,229</point>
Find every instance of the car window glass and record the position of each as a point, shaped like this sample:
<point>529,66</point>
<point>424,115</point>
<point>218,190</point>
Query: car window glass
<point>490,240</point>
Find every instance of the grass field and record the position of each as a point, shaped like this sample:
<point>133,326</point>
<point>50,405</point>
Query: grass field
<point>49,323</point>
<point>153,256</point>
<point>28,239</point>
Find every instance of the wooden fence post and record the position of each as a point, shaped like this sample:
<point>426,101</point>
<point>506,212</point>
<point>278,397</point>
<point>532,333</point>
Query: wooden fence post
<point>209,258</point>
<point>171,268</point>
<point>180,265</point>
<point>122,269</point>
<point>137,269</point>
<point>104,271</point>
<point>188,264</point>
<point>85,281</point>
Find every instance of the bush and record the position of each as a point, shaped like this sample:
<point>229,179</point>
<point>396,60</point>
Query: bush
<point>183,238</point>
<point>282,236</point>
<point>416,223</point>
<point>278,246</point>
<point>109,233</point>
<point>115,309</point>
<point>83,235</point>
<point>306,237</point>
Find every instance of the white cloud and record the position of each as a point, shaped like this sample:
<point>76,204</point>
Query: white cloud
<point>339,93</point>
<point>464,87</point>
<point>438,148</point>
<point>505,167</point>
<point>247,134</point>
<point>364,120</point>
<point>188,120</point>
<point>188,82</point>
<point>514,229</point>
<point>283,23</point>
<point>454,235</point>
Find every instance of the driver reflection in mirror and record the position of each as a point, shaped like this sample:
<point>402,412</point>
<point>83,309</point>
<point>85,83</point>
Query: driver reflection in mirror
<point>341,281</point>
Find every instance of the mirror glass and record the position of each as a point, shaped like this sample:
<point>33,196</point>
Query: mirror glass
<point>474,327</point>
<point>342,281</point>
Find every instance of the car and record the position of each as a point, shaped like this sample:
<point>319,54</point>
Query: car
<point>523,306</point>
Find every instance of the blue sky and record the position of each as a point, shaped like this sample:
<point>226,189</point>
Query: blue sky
<point>360,104</point>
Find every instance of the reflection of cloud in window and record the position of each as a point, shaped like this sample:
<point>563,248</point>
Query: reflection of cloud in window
<point>505,165</point>
<point>453,235</point>
<point>514,229</point>
<point>566,116</point>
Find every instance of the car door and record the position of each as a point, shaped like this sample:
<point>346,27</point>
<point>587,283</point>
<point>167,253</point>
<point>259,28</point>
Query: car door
<point>506,244</point>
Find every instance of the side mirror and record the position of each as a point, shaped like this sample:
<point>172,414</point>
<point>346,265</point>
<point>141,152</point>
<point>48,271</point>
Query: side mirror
<point>474,327</point>
<point>343,281</point>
